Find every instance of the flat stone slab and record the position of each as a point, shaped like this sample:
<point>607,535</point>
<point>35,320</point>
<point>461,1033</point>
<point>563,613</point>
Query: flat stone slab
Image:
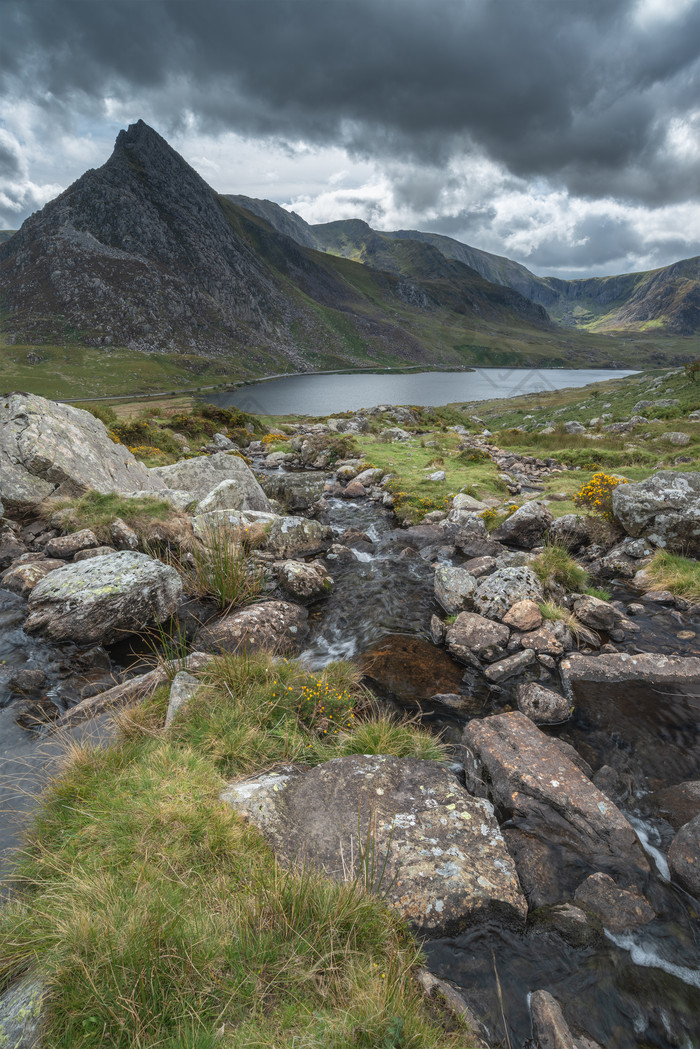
<point>621,667</point>
<point>446,862</point>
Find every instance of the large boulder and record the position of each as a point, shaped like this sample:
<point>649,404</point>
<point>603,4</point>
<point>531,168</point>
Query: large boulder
<point>526,527</point>
<point>275,626</point>
<point>562,826</point>
<point>570,530</point>
<point>665,508</point>
<point>303,581</point>
<point>204,473</point>
<point>290,537</point>
<point>438,853</point>
<point>49,449</point>
<point>103,599</point>
<point>454,588</point>
<point>497,593</point>
<point>231,495</point>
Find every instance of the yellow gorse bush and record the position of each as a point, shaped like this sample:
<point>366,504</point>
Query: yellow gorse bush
<point>596,494</point>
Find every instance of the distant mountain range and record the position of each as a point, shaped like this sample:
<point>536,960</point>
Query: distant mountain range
<point>142,253</point>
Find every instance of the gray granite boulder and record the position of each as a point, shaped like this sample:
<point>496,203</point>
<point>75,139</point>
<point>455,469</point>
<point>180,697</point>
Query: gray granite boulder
<point>497,593</point>
<point>49,449</point>
<point>542,705</point>
<point>472,639</point>
<point>665,509</point>
<point>183,687</point>
<point>454,588</point>
<point>201,475</point>
<point>273,626</point>
<point>526,527</point>
<point>440,859</point>
<point>103,599</point>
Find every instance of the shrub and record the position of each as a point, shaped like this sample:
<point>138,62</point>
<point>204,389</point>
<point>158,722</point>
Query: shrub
<point>494,517</point>
<point>596,495</point>
<point>102,412</point>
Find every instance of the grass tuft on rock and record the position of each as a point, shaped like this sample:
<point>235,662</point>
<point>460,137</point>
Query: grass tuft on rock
<point>158,917</point>
<point>556,567</point>
<point>680,575</point>
<point>150,517</point>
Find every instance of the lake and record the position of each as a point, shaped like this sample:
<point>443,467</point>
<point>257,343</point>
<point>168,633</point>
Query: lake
<point>325,394</point>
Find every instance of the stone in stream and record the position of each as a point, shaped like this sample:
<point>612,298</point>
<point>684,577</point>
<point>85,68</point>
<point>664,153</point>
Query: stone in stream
<point>549,1027</point>
<point>472,639</point>
<point>103,599</point>
<point>684,857</point>
<point>665,508</point>
<point>497,593</point>
<point>49,449</point>
<point>201,475</point>
<point>440,859</point>
<point>66,546</point>
<point>542,705</point>
<point>526,527</point>
<point>21,579</point>
<point>619,910</point>
<point>562,827</point>
<point>408,669</point>
<point>678,804</point>
<point>552,639</point>
<point>304,581</point>
<point>596,614</point>
<point>511,666</point>
<point>454,588</point>
<point>274,626</point>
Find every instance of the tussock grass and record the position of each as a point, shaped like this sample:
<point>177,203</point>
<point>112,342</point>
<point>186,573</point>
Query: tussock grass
<point>553,611</point>
<point>556,566</point>
<point>159,918</point>
<point>680,575</point>
<point>218,566</point>
<point>152,518</point>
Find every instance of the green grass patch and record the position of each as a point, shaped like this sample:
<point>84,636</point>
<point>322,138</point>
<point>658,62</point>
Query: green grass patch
<point>158,918</point>
<point>556,566</point>
<point>680,575</point>
<point>148,515</point>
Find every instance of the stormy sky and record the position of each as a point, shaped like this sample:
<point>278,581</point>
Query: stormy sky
<point>564,134</point>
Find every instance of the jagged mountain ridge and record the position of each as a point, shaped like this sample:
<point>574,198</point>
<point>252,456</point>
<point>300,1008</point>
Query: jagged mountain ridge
<point>143,253</point>
<point>668,297</point>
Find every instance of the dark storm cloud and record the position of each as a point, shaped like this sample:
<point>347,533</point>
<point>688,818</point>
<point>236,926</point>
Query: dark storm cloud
<point>580,93</point>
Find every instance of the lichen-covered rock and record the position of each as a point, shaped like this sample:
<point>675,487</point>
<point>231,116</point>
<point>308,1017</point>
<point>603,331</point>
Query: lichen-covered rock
<point>596,614</point>
<point>275,626</point>
<point>473,638</point>
<point>49,449</point>
<point>290,537</point>
<point>103,599</point>
<point>21,1013</point>
<point>454,588</point>
<point>440,857</point>
<point>21,579</point>
<point>204,473</point>
<point>665,508</point>
<point>497,593</point>
<point>542,705</point>
<point>571,531</point>
<point>524,615</point>
<point>183,687</point>
<point>462,501</point>
<point>304,581</point>
<point>526,527</point>
<point>231,495</point>
<point>122,536</point>
<point>66,546</point>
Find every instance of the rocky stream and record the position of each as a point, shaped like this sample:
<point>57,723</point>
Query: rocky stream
<point>593,937</point>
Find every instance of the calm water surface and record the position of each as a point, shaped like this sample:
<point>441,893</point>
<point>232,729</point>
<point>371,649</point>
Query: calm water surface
<point>321,394</point>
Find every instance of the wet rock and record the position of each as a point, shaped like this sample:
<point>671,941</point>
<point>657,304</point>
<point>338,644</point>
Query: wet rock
<point>542,705</point>
<point>275,626</point>
<point>438,630</point>
<point>183,687</point>
<point>11,547</point>
<point>473,638</point>
<point>619,909</point>
<point>596,614</point>
<point>96,551</point>
<point>304,581</point>
<point>49,449</point>
<point>573,925</point>
<point>448,996</point>
<point>103,599</point>
<point>201,475</point>
<point>684,857</point>
<point>609,781</point>
<point>665,508</point>
<point>523,615</point>
<point>66,546</point>
<point>526,527</point>
<point>510,666</point>
<point>32,713</point>
<point>454,588</point>
<point>22,1012</point>
<point>561,822</point>
<point>354,490</point>
<point>622,667</point>
<point>443,862</point>
<point>549,1027</point>
<point>296,491</point>
<point>570,531</point>
<point>123,537</point>
<point>292,537</point>
<point>678,804</point>
<point>497,593</point>
<point>552,639</point>
<point>28,680</point>
<point>22,578</point>
<point>408,669</point>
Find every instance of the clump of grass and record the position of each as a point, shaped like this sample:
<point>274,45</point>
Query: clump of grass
<point>218,566</point>
<point>555,612</point>
<point>597,591</point>
<point>680,575</point>
<point>158,917</point>
<point>150,517</point>
<point>556,567</point>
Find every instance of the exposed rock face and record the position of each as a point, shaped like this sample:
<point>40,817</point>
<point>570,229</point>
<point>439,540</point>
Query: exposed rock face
<point>664,509</point>
<point>497,593</point>
<point>454,588</point>
<point>561,822</point>
<point>526,527</point>
<point>49,449</point>
<point>103,599</point>
<point>446,864</point>
<point>684,857</point>
<point>204,475</point>
<point>277,626</point>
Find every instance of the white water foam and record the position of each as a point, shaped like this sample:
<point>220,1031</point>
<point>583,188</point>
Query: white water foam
<point>642,955</point>
<point>644,832</point>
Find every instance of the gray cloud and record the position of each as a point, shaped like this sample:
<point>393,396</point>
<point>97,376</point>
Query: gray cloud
<point>578,93</point>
